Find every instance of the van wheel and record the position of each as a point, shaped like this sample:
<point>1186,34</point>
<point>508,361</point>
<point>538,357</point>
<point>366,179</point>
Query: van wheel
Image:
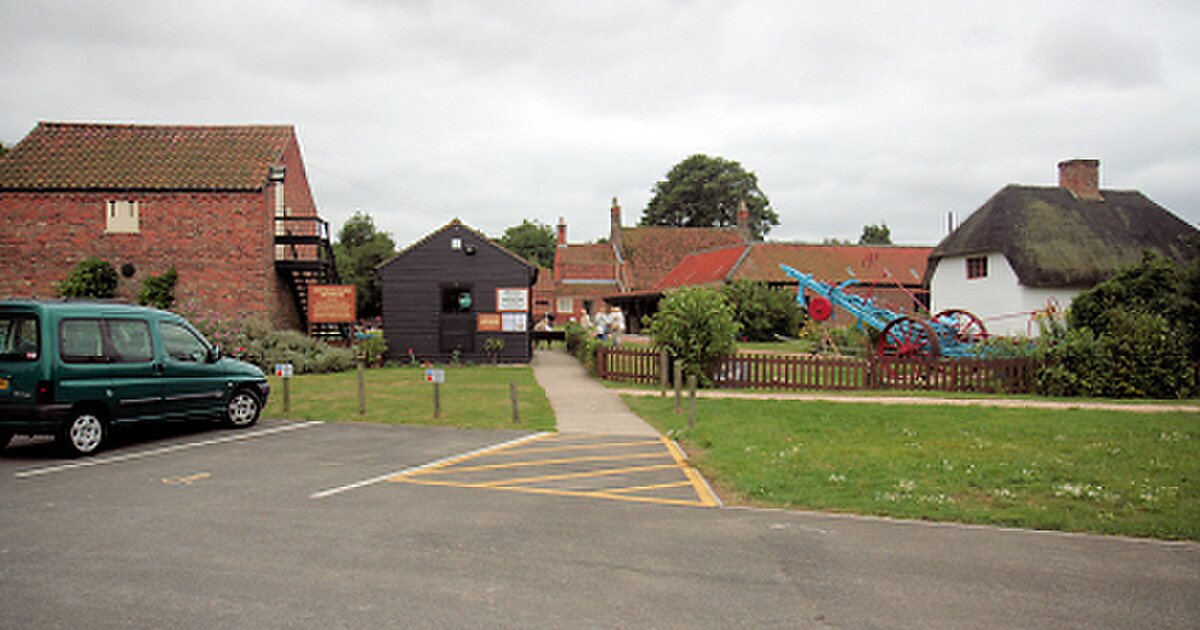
<point>83,434</point>
<point>243,409</point>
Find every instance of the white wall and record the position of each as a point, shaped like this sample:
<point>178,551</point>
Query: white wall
<point>1005,306</point>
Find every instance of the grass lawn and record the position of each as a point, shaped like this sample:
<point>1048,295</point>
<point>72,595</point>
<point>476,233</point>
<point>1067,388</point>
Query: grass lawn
<point>1079,470</point>
<point>472,397</point>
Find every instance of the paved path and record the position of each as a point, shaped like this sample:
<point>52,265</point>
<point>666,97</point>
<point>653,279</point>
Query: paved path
<point>581,404</point>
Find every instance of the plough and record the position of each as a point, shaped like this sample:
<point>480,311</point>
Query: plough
<point>952,332</point>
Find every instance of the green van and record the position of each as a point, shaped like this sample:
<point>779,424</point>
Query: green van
<point>75,369</point>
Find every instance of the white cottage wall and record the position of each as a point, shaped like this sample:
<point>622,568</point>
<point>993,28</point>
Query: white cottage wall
<point>1005,305</point>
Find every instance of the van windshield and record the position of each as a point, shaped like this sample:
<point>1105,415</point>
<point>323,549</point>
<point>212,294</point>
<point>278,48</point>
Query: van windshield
<point>19,337</point>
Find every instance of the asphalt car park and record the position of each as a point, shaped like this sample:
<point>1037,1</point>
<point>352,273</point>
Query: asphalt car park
<point>307,524</point>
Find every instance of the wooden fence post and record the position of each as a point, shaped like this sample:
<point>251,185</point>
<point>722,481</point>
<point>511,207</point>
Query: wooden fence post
<point>664,363</point>
<point>692,403</point>
<point>678,387</point>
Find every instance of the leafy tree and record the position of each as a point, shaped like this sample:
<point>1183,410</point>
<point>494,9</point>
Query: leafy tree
<point>531,240</point>
<point>91,278</point>
<point>3,149</point>
<point>697,326</point>
<point>763,312</point>
<point>703,191</point>
<point>159,291</point>
<point>359,249</point>
<point>876,235</point>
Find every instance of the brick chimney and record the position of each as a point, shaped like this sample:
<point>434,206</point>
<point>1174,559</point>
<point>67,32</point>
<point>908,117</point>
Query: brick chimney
<point>1081,177</point>
<point>614,236</point>
<point>743,222</point>
<point>561,249</point>
<point>562,232</point>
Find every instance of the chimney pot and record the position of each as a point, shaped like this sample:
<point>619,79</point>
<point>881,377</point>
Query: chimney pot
<point>562,232</point>
<point>1081,177</point>
<point>614,236</point>
<point>743,221</point>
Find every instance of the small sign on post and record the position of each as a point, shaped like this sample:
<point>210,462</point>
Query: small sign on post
<point>437,377</point>
<point>284,371</point>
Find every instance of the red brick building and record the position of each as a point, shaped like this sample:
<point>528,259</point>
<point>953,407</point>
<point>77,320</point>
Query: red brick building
<point>229,207</point>
<point>633,261</point>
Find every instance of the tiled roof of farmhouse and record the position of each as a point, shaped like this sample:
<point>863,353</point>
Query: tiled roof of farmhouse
<point>1054,239</point>
<point>91,156</point>
<point>653,251</point>
<point>591,261</point>
<point>869,264</point>
<point>879,265</point>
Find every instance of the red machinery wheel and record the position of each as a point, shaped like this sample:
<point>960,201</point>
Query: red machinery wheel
<point>908,338</point>
<point>967,326</point>
<point>820,308</point>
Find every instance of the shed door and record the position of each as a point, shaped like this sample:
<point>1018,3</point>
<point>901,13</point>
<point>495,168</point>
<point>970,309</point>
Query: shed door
<point>456,330</point>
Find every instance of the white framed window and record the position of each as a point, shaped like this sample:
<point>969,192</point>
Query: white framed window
<point>121,217</point>
<point>565,305</point>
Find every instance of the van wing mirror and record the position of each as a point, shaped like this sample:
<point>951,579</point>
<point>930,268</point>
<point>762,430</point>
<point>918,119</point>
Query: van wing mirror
<point>214,354</point>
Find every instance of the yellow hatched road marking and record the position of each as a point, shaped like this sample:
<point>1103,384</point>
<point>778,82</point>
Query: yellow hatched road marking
<point>579,447</point>
<point>563,493</point>
<point>608,472</point>
<point>433,475</point>
<point>542,462</point>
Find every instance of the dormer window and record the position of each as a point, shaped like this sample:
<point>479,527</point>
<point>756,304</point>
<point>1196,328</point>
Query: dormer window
<point>976,267</point>
<point>121,217</point>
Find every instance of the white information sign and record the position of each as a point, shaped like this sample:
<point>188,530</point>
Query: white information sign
<point>512,300</point>
<point>513,322</point>
<point>284,370</point>
<point>435,376</point>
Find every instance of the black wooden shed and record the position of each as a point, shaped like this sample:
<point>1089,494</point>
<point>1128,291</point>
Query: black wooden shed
<point>456,295</point>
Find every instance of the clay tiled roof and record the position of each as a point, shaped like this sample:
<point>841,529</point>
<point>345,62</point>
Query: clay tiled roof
<point>885,264</point>
<point>705,268</point>
<point>587,262</point>
<point>86,156</point>
<point>652,252</point>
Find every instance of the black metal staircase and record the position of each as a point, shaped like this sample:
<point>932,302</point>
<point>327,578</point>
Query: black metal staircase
<point>304,257</point>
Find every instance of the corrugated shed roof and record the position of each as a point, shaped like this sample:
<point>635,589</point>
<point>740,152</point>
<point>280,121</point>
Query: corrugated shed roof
<point>1052,239</point>
<point>869,264</point>
<point>89,156</point>
<point>652,252</point>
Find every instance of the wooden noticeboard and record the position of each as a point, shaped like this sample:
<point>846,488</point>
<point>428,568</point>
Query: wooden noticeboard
<point>332,304</point>
<point>488,322</point>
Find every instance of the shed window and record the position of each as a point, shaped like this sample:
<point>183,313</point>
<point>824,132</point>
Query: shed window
<point>457,300</point>
<point>976,267</point>
<point>121,217</point>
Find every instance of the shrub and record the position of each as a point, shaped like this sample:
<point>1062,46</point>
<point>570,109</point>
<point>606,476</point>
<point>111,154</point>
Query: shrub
<point>91,278</point>
<point>763,312</point>
<point>1139,355</point>
<point>373,347</point>
<point>697,327</point>
<point>159,291</point>
<point>256,341</point>
<point>582,345</point>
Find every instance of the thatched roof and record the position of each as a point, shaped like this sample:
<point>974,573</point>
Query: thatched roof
<point>1053,239</point>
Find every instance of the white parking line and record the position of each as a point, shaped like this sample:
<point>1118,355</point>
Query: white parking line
<point>34,472</point>
<point>384,477</point>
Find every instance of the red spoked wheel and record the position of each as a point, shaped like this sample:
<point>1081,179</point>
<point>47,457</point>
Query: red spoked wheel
<point>820,308</point>
<point>966,326</point>
<point>908,338</point>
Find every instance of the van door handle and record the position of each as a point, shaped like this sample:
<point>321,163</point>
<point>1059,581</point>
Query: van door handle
<point>158,368</point>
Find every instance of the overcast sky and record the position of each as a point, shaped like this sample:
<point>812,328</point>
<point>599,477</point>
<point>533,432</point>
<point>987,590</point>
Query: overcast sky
<point>848,112</point>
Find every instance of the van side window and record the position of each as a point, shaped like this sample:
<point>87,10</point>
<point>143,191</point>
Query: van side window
<point>130,340</point>
<point>80,341</point>
<point>18,337</point>
<point>180,343</point>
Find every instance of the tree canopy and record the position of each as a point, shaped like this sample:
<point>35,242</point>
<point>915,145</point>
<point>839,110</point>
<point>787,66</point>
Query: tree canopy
<point>359,249</point>
<point>532,240</point>
<point>876,235</point>
<point>704,191</point>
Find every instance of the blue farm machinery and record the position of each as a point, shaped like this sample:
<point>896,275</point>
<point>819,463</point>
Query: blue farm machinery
<point>950,333</point>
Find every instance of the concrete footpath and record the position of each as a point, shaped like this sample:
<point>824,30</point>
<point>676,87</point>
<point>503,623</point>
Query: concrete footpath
<point>582,404</point>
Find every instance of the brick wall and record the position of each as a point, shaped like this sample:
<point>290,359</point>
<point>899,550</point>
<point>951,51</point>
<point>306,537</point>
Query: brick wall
<point>219,242</point>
